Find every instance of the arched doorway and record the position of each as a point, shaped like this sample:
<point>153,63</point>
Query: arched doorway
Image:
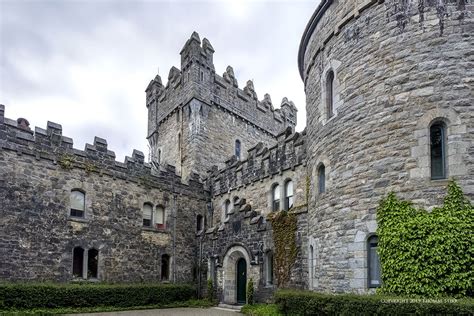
<point>236,268</point>
<point>241,280</point>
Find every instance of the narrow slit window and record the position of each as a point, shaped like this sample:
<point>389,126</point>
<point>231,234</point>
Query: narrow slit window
<point>78,203</point>
<point>165,267</point>
<point>438,150</point>
<point>237,149</point>
<point>330,94</point>
<point>226,209</point>
<point>373,262</point>
<point>199,223</point>
<point>322,179</point>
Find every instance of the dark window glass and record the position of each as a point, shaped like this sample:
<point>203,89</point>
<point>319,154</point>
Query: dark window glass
<point>199,223</point>
<point>322,179</point>
<point>92,263</point>
<point>373,262</point>
<point>165,267</point>
<point>237,148</point>
<point>330,94</point>
<point>78,262</point>
<point>437,147</point>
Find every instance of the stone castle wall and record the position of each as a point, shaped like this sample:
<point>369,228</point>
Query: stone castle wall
<point>37,234</point>
<point>399,66</point>
<point>214,112</point>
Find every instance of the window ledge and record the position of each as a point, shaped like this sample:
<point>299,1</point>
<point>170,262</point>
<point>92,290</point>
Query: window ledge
<point>78,219</point>
<point>156,230</point>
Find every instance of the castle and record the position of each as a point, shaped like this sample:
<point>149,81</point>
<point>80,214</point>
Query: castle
<point>389,108</point>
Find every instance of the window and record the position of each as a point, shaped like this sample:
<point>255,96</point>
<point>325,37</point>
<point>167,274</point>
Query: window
<point>165,267</point>
<point>159,155</point>
<point>269,268</point>
<point>276,198</point>
<point>92,263</point>
<point>78,203</point>
<point>78,262</point>
<point>373,262</point>
<point>438,150</point>
<point>322,179</point>
<point>147,214</point>
<point>199,222</point>
<point>288,195</point>
<point>160,217</point>
<point>226,209</point>
<point>311,265</point>
<point>330,94</point>
<point>237,149</point>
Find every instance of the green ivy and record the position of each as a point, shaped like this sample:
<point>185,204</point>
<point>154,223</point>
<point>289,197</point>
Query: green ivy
<point>66,161</point>
<point>250,292</point>
<point>427,253</point>
<point>284,225</point>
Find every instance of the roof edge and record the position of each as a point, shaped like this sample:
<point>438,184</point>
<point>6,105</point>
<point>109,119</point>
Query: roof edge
<point>315,18</point>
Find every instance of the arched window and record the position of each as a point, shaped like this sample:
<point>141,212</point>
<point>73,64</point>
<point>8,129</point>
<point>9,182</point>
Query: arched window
<point>165,268</point>
<point>147,214</point>
<point>322,179</point>
<point>269,268</point>
<point>78,203</point>
<point>330,94</point>
<point>160,217</point>
<point>276,198</point>
<point>78,262</point>
<point>237,149</point>
<point>288,195</point>
<point>373,262</point>
<point>199,223</point>
<point>92,263</point>
<point>438,150</point>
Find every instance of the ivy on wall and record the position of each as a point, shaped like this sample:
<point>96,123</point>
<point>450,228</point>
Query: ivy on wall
<point>427,253</point>
<point>284,225</point>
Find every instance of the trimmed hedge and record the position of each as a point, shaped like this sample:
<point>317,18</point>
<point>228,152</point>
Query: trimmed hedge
<point>293,302</point>
<point>28,296</point>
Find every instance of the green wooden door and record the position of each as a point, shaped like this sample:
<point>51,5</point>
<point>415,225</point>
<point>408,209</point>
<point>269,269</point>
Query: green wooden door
<point>241,280</point>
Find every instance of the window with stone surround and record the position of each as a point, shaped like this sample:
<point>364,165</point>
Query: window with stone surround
<point>165,267</point>
<point>321,179</point>
<point>438,150</point>
<point>268,266</point>
<point>226,209</point>
<point>237,149</point>
<point>92,263</point>
<point>199,223</point>
<point>159,217</point>
<point>330,94</point>
<point>373,262</point>
<point>276,197</point>
<point>78,262</point>
<point>288,195</point>
<point>147,214</point>
<point>78,203</point>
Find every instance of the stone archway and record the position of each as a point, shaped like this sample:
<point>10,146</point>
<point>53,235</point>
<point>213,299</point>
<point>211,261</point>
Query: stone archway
<point>233,255</point>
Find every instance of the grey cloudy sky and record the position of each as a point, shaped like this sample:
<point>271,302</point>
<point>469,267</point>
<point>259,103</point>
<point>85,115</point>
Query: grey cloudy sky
<point>86,64</point>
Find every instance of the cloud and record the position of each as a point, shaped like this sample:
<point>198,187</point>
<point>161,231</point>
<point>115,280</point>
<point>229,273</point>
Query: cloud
<point>86,64</point>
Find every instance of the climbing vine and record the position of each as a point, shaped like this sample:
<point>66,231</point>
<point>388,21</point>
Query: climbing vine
<point>284,225</point>
<point>90,167</point>
<point>427,253</point>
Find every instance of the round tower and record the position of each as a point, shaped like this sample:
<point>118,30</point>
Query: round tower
<point>389,108</point>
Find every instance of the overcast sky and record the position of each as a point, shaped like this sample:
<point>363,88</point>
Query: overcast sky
<point>86,64</point>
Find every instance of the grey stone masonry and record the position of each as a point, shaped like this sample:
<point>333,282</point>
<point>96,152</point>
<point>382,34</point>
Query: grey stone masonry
<point>38,171</point>
<point>398,67</point>
<point>199,113</point>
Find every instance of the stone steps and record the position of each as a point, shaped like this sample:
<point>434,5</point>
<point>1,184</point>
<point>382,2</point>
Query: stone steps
<point>235,308</point>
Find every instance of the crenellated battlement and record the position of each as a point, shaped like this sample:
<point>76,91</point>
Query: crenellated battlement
<point>262,162</point>
<point>50,145</point>
<point>197,79</point>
